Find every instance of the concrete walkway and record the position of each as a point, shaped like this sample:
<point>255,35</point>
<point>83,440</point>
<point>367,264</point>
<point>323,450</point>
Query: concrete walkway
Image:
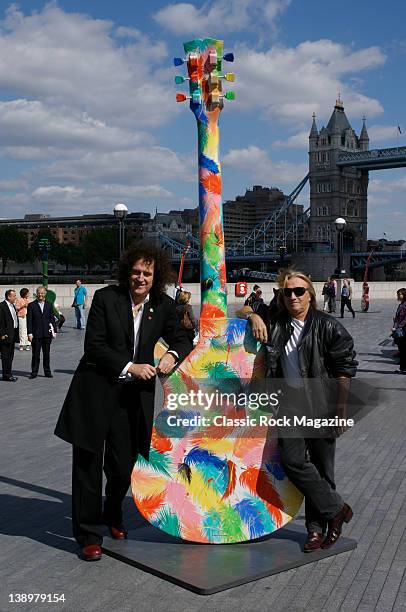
<point>39,556</point>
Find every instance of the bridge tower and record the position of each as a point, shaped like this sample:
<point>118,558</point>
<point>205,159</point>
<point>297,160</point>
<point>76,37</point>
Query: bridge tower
<point>337,191</point>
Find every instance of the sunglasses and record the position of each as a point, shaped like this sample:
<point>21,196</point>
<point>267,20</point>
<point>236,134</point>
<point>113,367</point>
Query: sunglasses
<point>298,291</point>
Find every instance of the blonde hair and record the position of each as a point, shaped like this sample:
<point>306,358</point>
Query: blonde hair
<point>184,297</point>
<point>286,275</point>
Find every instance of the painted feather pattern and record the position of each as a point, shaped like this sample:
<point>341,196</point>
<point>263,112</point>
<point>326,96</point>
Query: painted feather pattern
<point>213,484</point>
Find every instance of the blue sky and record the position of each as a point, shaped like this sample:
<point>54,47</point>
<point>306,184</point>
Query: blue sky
<point>87,99</point>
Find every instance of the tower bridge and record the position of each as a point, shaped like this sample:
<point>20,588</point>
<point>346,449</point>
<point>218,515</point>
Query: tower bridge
<point>339,166</point>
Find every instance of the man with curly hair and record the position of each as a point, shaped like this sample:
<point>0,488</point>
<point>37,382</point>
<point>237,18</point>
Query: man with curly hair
<point>108,412</point>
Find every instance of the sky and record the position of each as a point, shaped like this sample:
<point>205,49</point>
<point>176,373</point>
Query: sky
<point>88,116</point>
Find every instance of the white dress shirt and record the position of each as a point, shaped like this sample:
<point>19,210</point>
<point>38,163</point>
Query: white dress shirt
<point>137,317</point>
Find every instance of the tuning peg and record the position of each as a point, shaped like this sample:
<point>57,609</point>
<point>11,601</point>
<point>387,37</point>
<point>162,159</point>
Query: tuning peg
<point>212,58</point>
<point>214,81</point>
<point>195,97</point>
<point>228,57</point>
<point>178,61</point>
<point>193,61</point>
<point>229,95</point>
<point>180,79</point>
<point>229,76</point>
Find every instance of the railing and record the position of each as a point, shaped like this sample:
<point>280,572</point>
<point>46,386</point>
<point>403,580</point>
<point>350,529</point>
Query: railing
<point>371,157</point>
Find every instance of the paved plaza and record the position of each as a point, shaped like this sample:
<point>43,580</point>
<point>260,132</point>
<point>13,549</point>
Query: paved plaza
<point>38,554</point>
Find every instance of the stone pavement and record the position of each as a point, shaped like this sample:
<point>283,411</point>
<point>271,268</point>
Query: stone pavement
<point>39,556</point>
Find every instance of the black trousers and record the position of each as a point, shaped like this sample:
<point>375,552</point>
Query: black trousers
<point>36,346</point>
<point>345,301</point>
<point>402,351</point>
<point>117,460</point>
<point>7,355</point>
<point>314,478</point>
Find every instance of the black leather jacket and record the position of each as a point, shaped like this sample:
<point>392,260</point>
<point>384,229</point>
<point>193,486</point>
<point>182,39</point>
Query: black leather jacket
<point>326,351</point>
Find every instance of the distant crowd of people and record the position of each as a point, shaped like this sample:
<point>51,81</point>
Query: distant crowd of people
<point>329,293</point>
<point>33,325</point>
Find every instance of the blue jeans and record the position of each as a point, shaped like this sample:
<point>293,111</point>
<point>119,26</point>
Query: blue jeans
<point>80,316</point>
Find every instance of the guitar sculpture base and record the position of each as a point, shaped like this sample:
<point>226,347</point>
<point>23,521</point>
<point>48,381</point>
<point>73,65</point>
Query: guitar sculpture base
<point>205,568</point>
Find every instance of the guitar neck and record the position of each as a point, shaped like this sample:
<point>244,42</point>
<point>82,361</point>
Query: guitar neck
<point>205,83</point>
<point>212,260</point>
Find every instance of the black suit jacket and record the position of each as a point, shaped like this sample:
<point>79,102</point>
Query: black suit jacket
<point>109,343</point>
<point>37,321</point>
<point>7,324</point>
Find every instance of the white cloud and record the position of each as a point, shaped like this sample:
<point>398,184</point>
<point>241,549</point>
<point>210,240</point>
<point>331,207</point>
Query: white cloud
<point>31,124</point>
<point>256,163</point>
<point>122,166</point>
<point>73,60</point>
<point>54,192</point>
<point>382,132</point>
<point>12,184</point>
<point>290,84</point>
<point>387,186</point>
<point>300,140</point>
<point>218,16</point>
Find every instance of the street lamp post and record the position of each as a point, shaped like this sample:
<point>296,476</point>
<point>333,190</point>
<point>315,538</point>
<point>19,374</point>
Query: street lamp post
<point>340,224</point>
<point>120,213</point>
<point>44,247</point>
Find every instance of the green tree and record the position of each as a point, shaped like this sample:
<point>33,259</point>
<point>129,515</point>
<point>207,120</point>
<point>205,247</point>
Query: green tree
<point>13,246</point>
<point>69,255</point>
<point>101,246</point>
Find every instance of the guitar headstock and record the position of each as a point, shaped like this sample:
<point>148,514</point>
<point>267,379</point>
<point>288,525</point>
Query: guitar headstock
<point>203,59</point>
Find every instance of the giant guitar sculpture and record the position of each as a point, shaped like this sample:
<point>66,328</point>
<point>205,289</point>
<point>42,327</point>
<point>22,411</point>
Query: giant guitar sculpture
<point>214,483</point>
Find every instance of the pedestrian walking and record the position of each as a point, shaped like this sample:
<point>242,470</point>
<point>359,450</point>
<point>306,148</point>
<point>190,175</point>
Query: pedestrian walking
<point>326,293</point>
<point>346,297</point>
<point>252,296</point>
<point>399,330</point>
<point>41,330</point>
<point>79,304</point>
<point>21,308</point>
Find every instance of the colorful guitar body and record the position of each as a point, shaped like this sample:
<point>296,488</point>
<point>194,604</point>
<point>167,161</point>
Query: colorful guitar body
<point>216,481</point>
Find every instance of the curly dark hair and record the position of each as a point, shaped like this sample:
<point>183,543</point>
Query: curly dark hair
<point>150,254</point>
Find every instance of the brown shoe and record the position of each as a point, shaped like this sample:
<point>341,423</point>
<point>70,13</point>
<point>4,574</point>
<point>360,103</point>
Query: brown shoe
<point>118,532</point>
<point>91,552</point>
<point>313,542</point>
<point>335,525</point>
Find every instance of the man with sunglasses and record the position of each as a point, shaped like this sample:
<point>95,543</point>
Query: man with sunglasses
<point>305,343</point>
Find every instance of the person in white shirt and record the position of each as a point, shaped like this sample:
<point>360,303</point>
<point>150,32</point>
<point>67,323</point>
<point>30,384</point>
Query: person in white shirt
<point>8,334</point>
<point>40,331</point>
<point>305,343</point>
<point>108,412</point>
